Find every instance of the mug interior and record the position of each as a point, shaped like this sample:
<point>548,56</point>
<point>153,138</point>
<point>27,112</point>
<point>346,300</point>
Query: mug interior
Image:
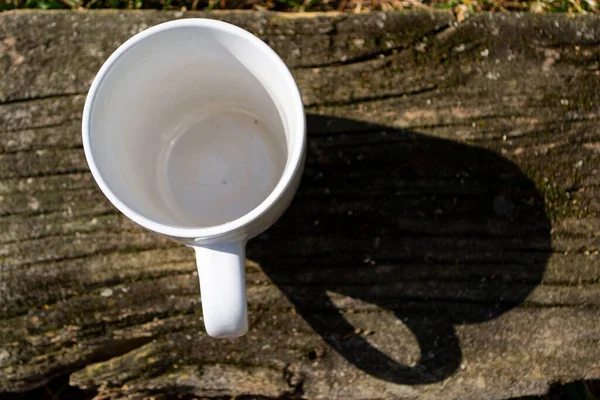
<point>188,125</point>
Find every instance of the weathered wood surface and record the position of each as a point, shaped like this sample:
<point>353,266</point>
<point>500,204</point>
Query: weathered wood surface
<point>444,242</point>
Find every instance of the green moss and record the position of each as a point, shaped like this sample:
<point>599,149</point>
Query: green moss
<point>576,177</point>
<point>362,82</point>
<point>455,79</point>
<point>583,103</point>
<point>557,201</point>
<point>578,99</point>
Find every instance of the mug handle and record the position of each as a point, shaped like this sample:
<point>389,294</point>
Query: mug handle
<point>223,288</point>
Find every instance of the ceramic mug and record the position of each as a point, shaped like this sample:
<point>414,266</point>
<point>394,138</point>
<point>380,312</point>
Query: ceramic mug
<point>195,130</point>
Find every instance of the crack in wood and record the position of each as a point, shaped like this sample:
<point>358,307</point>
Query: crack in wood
<point>40,98</point>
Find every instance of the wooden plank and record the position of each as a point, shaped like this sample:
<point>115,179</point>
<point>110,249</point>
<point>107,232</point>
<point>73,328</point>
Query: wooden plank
<point>443,244</point>
<point>81,41</point>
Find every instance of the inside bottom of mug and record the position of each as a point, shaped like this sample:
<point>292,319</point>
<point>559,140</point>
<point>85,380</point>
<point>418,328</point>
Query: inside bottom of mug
<point>219,167</point>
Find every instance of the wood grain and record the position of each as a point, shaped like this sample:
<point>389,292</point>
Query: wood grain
<point>443,244</point>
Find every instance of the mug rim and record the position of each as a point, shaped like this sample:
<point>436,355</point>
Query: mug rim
<point>295,151</point>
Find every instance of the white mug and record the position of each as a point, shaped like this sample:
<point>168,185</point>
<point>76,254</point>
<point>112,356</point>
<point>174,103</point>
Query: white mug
<point>195,130</point>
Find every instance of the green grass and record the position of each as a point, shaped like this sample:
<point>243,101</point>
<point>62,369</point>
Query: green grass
<point>460,7</point>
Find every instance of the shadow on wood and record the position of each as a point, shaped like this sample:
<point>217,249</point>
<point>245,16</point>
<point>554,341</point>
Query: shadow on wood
<point>439,233</point>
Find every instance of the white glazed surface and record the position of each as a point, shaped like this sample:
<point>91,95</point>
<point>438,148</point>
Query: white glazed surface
<point>227,314</point>
<point>156,85</point>
<point>195,130</point>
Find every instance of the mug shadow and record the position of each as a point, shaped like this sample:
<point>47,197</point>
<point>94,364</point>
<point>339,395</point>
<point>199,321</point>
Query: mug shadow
<point>440,233</point>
